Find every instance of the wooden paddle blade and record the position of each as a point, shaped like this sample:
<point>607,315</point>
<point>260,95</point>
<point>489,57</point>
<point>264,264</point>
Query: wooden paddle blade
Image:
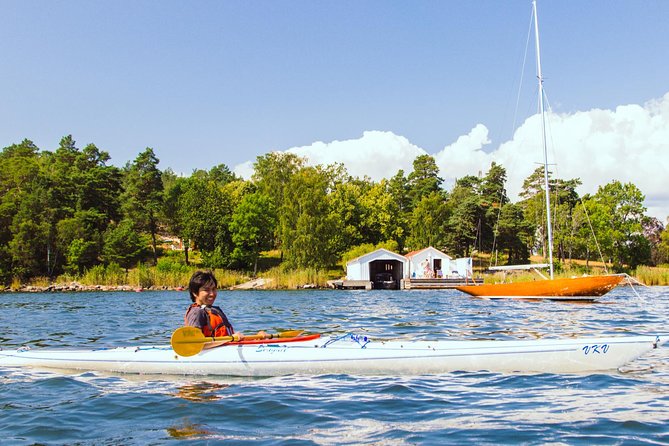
<point>188,341</point>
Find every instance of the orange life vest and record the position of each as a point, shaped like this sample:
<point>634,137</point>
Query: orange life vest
<point>217,323</point>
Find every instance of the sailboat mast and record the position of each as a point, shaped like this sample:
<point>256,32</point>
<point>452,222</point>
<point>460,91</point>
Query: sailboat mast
<point>543,138</point>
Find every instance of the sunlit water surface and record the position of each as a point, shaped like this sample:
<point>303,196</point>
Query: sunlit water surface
<point>630,406</point>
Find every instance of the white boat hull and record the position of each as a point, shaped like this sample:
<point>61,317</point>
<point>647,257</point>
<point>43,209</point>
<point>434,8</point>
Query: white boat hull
<point>352,354</point>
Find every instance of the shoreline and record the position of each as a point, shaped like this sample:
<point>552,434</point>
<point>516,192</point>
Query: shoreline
<point>255,284</point>
<point>78,287</point>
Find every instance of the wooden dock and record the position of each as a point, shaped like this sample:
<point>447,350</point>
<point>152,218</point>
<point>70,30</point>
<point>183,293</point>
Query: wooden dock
<point>438,284</point>
<point>406,284</point>
<point>350,284</point>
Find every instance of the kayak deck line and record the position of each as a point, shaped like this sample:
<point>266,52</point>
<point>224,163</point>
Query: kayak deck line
<point>301,361</point>
<point>352,354</point>
<point>451,352</point>
<point>406,345</point>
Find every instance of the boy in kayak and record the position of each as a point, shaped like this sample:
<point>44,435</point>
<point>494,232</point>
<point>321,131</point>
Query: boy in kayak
<point>202,313</point>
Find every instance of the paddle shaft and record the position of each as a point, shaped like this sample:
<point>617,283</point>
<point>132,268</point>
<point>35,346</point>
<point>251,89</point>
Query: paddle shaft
<point>206,339</point>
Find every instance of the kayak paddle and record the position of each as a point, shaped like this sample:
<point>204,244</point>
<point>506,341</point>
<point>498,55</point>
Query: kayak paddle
<point>189,341</point>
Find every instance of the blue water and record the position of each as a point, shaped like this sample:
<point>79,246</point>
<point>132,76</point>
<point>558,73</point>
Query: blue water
<point>625,407</point>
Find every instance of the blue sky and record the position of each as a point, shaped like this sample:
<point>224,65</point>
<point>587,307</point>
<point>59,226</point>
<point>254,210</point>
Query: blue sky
<point>211,82</point>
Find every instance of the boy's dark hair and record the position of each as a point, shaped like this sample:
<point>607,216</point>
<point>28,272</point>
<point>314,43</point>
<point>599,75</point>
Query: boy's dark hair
<point>200,279</point>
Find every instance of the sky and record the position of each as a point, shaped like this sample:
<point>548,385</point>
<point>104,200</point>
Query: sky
<point>370,84</point>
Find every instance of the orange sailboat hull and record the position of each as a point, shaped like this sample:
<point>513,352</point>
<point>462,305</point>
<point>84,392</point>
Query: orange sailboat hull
<point>574,288</point>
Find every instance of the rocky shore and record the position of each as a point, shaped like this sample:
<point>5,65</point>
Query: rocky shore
<point>255,284</point>
<point>76,286</point>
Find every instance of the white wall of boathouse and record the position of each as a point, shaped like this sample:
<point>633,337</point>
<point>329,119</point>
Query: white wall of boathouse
<point>438,262</point>
<point>440,265</point>
<point>359,268</point>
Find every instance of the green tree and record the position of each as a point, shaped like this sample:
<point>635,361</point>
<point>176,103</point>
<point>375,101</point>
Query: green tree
<point>424,180</point>
<point>124,245</point>
<point>252,225</point>
<point>206,211</point>
<point>308,229</point>
<point>80,239</point>
<point>515,234</point>
<point>31,233</point>
<point>347,202</point>
<point>652,231</point>
<point>272,173</point>
<point>618,220</point>
<point>429,223</point>
<point>383,220</point>
<point>29,251</point>
<point>663,247</point>
<point>399,190</point>
<point>464,226</point>
<point>60,170</point>
<point>492,186</point>
<point>99,185</point>
<point>142,199</point>
<point>492,193</point>
<point>589,231</point>
<point>76,181</point>
<point>19,178</point>
<point>534,207</point>
<point>222,175</point>
<point>466,215</point>
<point>175,210</point>
<point>564,200</point>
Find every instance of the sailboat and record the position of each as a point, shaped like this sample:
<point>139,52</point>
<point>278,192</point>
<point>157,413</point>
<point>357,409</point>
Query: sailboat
<point>575,288</point>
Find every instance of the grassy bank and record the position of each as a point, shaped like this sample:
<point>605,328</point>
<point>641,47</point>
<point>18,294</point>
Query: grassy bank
<point>170,273</point>
<point>652,275</point>
<point>280,279</point>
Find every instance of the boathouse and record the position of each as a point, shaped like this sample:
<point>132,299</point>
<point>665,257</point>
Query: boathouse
<point>430,263</point>
<point>430,268</point>
<point>380,269</point>
<point>426,268</point>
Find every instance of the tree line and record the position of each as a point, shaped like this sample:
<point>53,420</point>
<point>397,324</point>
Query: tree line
<point>68,210</point>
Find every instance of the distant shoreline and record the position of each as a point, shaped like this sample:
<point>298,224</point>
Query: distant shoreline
<point>254,284</point>
<point>78,287</point>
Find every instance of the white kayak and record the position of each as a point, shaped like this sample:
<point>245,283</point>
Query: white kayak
<point>351,354</point>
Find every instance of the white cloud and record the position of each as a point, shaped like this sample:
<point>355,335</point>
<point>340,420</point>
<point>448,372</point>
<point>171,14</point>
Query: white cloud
<point>629,144</point>
<point>465,156</point>
<point>376,154</point>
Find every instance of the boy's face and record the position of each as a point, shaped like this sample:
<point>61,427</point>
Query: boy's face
<point>206,295</point>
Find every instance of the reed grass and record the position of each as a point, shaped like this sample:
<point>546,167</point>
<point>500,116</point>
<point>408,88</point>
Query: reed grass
<point>652,275</point>
<point>166,274</point>
<point>171,273</point>
<point>40,281</point>
<point>280,278</point>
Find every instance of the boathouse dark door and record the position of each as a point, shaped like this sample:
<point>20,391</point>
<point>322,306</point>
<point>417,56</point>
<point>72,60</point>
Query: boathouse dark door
<point>385,274</point>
